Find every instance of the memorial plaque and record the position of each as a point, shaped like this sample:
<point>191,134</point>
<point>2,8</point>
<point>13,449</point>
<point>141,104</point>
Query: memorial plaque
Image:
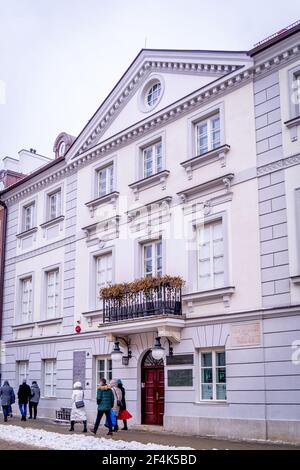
<point>180,359</point>
<point>79,360</point>
<point>180,378</point>
<point>245,334</point>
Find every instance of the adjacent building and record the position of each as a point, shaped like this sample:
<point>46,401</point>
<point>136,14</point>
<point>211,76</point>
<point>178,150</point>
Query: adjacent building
<point>190,168</point>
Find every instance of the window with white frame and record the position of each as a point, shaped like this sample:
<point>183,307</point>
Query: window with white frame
<point>22,368</point>
<point>296,92</point>
<point>26,299</point>
<point>208,136</point>
<point>210,256</point>
<point>50,378</point>
<point>54,205</point>
<point>28,217</point>
<point>213,375</point>
<point>52,293</point>
<point>153,94</point>
<point>152,159</point>
<point>103,274</point>
<point>105,180</point>
<point>152,259</point>
<point>103,369</point>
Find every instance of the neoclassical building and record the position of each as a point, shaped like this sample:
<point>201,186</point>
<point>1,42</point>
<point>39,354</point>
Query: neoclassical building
<point>190,168</point>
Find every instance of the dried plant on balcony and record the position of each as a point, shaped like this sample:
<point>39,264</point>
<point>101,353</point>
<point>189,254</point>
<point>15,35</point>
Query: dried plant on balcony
<point>145,284</point>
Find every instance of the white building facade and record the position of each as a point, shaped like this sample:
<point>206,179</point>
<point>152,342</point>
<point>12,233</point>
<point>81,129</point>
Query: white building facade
<point>189,168</point>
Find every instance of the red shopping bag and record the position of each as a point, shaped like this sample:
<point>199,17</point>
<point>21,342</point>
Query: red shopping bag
<point>124,414</point>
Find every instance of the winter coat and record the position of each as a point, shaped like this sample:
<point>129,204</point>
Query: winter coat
<point>123,406</point>
<point>35,393</point>
<point>24,394</point>
<point>117,397</point>
<point>78,414</point>
<point>105,398</point>
<point>7,394</point>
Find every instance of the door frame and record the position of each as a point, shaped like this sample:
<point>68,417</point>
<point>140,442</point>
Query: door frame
<point>140,382</point>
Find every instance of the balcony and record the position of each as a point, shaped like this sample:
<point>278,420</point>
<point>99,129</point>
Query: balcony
<point>148,297</point>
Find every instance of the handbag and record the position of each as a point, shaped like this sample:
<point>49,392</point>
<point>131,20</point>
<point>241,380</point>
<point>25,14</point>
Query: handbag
<point>79,404</point>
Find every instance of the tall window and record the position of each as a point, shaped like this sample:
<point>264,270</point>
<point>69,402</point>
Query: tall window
<point>103,274</point>
<point>54,205</point>
<point>296,93</point>
<point>52,293</point>
<point>22,371</point>
<point>152,259</point>
<point>105,182</point>
<point>103,369</point>
<point>152,159</point>
<point>28,217</point>
<point>208,135</point>
<point>26,300</point>
<point>50,378</point>
<point>213,375</point>
<point>210,256</point>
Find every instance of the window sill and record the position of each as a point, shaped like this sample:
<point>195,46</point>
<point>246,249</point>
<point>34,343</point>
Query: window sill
<point>218,154</point>
<point>52,222</point>
<point>27,233</point>
<point>292,124</point>
<point>23,326</point>
<point>153,180</point>
<point>49,398</point>
<point>209,296</point>
<point>50,321</point>
<point>212,402</point>
<point>110,198</point>
<point>204,189</point>
<point>295,279</point>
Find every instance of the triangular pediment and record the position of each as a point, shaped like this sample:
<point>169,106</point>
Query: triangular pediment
<point>179,72</point>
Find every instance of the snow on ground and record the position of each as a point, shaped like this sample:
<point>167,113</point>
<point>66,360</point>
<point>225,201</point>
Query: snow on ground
<point>53,440</point>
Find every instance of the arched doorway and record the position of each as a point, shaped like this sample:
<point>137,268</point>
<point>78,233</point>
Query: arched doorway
<point>153,390</point>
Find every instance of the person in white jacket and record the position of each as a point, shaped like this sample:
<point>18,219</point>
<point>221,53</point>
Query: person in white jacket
<point>117,401</point>
<point>78,413</point>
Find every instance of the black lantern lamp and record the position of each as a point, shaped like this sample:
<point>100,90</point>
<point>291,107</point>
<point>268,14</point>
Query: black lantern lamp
<point>117,355</point>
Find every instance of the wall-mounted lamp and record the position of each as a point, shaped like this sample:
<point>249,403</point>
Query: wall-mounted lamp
<point>157,351</point>
<point>117,355</point>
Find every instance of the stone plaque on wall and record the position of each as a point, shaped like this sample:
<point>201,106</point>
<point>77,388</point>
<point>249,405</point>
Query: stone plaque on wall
<point>245,334</point>
<point>180,378</point>
<point>179,359</point>
<point>79,360</point>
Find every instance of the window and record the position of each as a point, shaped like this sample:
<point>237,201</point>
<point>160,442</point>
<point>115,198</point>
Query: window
<point>213,375</point>
<point>103,274</point>
<point>153,94</point>
<point>50,378</point>
<point>296,92</point>
<point>54,205</point>
<point>28,217</point>
<point>210,256</point>
<point>52,294</point>
<point>208,135</point>
<point>152,259</point>
<point>61,149</point>
<point>26,300</point>
<point>152,159</point>
<point>103,369</point>
<point>105,181</point>
<point>22,371</point>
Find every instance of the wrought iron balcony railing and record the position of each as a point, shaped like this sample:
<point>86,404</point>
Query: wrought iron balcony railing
<point>162,300</point>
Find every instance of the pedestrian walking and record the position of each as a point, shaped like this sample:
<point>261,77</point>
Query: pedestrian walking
<point>34,399</point>
<point>105,402</point>
<point>24,395</point>
<point>7,397</point>
<point>117,401</point>
<point>78,413</point>
<point>123,415</point>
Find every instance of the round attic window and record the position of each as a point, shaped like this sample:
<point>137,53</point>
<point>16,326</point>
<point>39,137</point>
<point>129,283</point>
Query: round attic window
<point>61,149</point>
<point>151,93</point>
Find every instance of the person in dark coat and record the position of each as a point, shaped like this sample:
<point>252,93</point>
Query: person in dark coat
<point>24,395</point>
<point>123,408</point>
<point>34,399</point>
<point>105,402</point>
<point>7,397</point>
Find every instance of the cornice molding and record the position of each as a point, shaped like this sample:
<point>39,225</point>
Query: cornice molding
<point>278,165</point>
<point>159,119</point>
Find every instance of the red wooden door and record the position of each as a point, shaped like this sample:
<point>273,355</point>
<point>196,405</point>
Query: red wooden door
<point>153,394</point>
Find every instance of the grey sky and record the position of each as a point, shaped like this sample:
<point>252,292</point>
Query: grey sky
<point>60,58</point>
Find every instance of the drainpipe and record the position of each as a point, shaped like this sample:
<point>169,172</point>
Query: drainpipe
<point>3,246</point>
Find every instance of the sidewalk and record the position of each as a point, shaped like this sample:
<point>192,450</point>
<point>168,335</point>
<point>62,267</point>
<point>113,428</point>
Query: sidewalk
<point>145,435</point>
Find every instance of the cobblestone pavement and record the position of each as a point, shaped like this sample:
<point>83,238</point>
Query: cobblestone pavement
<point>144,436</point>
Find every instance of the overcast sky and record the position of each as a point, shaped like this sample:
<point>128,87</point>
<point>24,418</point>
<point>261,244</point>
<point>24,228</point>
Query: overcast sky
<point>60,58</point>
